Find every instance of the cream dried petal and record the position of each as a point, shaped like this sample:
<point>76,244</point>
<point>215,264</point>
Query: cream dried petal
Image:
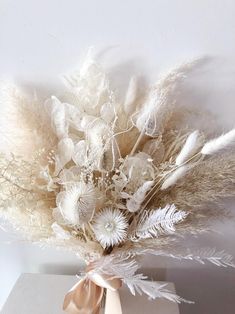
<point>107,112</point>
<point>80,153</point>
<point>64,155</point>
<point>134,203</point>
<point>57,113</point>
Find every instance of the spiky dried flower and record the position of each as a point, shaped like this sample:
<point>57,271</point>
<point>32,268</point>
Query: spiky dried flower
<point>77,203</point>
<point>110,227</point>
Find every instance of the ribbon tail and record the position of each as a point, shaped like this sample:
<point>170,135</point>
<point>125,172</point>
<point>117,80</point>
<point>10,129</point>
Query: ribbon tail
<point>84,298</point>
<point>112,302</point>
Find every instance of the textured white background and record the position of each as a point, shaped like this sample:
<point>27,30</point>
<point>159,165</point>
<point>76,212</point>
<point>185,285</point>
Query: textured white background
<point>40,40</point>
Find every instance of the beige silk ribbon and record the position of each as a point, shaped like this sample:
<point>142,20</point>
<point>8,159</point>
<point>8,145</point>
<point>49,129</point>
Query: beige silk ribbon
<point>86,296</point>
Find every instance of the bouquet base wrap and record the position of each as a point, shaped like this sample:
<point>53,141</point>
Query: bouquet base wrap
<point>86,296</point>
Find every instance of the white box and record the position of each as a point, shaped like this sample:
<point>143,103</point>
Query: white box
<point>44,294</point>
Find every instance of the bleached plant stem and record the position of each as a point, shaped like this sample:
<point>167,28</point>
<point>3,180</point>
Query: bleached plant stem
<point>137,142</point>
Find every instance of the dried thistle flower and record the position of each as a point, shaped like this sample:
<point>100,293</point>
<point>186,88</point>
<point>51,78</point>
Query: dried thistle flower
<point>110,227</point>
<point>77,203</point>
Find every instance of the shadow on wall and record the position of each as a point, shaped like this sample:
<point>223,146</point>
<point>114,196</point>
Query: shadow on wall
<point>211,289</point>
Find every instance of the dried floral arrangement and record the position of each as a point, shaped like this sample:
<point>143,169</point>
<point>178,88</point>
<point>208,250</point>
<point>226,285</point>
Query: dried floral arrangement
<point>111,180</point>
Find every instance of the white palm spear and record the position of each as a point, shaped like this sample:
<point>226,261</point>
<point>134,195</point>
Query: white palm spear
<point>153,289</point>
<point>202,255</point>
<point>199,255</point>
<point>126,269</point>
<point>157,222</point>
<point>218,258</point>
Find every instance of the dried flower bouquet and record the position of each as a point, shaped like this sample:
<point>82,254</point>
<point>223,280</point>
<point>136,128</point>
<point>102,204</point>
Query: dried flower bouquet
<point>110,180</point>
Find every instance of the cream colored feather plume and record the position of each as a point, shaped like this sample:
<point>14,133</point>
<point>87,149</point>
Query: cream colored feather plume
<point>220,143</point>
<point>189,149</point>
<point>174,177</point>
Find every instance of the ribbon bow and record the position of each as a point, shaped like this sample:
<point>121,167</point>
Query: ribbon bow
<point>86,296</point>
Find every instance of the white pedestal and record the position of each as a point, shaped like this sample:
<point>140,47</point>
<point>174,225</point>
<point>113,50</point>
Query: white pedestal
<point>44,294</point>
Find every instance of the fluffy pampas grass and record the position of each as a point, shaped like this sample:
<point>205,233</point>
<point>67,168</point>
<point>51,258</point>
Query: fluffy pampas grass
<point>158,108</point>
<point>209,181</point>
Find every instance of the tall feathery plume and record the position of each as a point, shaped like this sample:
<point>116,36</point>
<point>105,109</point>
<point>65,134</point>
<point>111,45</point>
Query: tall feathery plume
<point>157,109</point>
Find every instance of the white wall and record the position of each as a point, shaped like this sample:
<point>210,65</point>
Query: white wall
<point>39,40</point>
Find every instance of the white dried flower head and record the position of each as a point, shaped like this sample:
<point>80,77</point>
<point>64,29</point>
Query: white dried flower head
<point>138,169</point>
<point>77,203</point>
<point>110,227</point>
